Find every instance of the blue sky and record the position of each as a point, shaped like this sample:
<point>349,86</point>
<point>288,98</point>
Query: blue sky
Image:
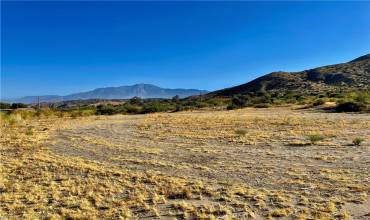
<point>66,47</point>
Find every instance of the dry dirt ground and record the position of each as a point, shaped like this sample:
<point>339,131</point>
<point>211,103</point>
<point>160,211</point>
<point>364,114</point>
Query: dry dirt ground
<point>241,164</point>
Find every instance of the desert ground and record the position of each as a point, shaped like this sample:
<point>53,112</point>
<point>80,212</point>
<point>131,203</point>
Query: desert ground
<point>241,164</point>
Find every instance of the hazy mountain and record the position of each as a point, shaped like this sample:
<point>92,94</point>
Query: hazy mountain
<point>122,92</point>
<point>352,75</point>
<point>34,99</point>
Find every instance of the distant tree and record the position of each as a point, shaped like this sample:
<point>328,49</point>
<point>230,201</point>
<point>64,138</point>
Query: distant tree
<point>239,100</point>
<point>18,105</point>
<point>4,105</point>
<point>154,107</point>
<point>176,98</point>
<point>136,101</point>
<point>105,110</point>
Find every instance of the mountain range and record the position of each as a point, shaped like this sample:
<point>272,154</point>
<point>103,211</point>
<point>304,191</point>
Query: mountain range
<point>121,92</point>
<point>353,75</point>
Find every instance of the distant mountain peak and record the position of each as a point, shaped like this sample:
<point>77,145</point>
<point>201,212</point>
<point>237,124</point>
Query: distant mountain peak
<point>142,90</point>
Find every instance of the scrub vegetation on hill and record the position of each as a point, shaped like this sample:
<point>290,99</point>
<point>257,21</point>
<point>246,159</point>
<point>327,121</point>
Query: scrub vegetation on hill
<point>340,102</point>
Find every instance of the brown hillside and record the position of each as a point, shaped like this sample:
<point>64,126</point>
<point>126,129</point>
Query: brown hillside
<point>354,75</point>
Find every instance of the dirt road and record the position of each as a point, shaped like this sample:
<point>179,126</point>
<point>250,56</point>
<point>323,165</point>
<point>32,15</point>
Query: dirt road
<point>265,149</point>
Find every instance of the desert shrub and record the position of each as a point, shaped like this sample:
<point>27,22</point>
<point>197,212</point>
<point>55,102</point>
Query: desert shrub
<point>201,104</point>
<point>18,105</point>
<point>82,112</point>
<point>132,109</point>
<point>136,101</point>
<point>350,106</point>
<point>318,102</point>
<point>154,107</point>
<point>214,102</point>
<point>61,114</point>
<point>4,105</point>
<point>261,100</point>
<point>241,132</point>
<point>362,97</point>
<point>14,119</point>
<point>105,110</point>
<point>231,107</point>
<point>176,98</point>
<point>179,107</point>
<point>239,100</point>
<point>314,138</point>
<point>4,118</point>
<point>25,114</point>
<point>29,131</point>
<point>44,112</point>
<point>357,141</point>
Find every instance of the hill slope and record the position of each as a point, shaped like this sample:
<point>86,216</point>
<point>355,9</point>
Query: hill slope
<point>353,75</point>
<point>122,92</point>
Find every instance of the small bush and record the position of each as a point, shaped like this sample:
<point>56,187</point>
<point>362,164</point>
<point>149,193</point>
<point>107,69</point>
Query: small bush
<point>363,98</point>
<point>25,114</point>
<point>241,132</point>
<point>82,112</point>
<point>314,138</point>
<point>18,105</point>
<point>262,105</point>
<point>350,107</point>
<point>4,105</point>
<point>105,110</point>
<point>318,102</point>
<point>231,107</point>
<point>357,141</point>
<point>154,107</point>
<point>132,109</point>
<point>29,131</point>
<point>239,100</point>
<point>44,112</point>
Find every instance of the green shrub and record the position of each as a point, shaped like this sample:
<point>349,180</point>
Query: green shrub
<point>314,138</point>
<point>239,100</point>
<point>362,97</point>
<point>132,109</point>
<point>29,131</point>
<point>4,105</point>
<point>154,107</point>
<point>82,112</point>
<point>350,107</point>
<point>105,110</point>
<point>231,107</point>
<point>18,105</point>
<point>136,101</point>
<point>241,132</point>
<point>318,102</point>
<point>357,141</point>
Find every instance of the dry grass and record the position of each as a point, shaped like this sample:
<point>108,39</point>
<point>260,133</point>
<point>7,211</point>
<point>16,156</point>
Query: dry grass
<point>204,165</point>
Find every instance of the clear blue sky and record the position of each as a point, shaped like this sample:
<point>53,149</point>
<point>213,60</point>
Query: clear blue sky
<point>66,47</point>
